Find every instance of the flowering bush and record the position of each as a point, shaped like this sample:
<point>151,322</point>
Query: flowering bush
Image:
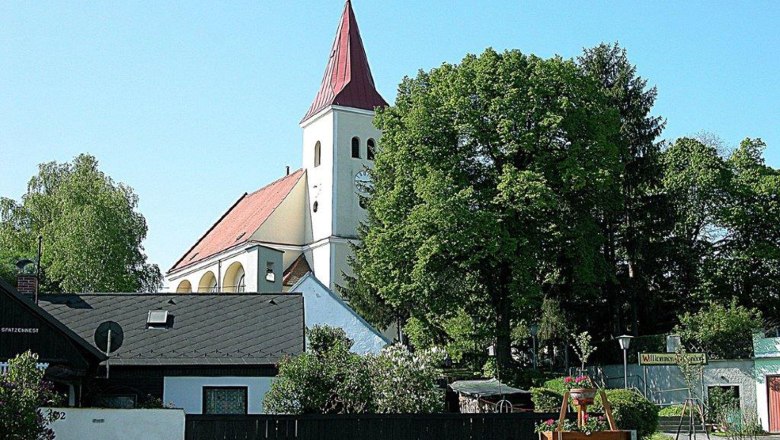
<point>22,393</point>
<point>405,382</point>
<point>578,382</point>
<point>329,379</point>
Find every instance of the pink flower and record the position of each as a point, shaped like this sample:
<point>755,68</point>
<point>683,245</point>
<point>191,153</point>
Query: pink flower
<point>567,379</point>
<point>550,422</point>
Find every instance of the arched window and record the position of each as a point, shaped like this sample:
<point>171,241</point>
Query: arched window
<point>208,283</point>
<point>234,280</point>
<point>370,149</point>
<point>317,154</point>
<point>356,147</point>
<point>184,287</point>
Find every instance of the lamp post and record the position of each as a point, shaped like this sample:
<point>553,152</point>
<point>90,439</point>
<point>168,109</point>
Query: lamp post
<point>625,342</point>
<point>534,329</point>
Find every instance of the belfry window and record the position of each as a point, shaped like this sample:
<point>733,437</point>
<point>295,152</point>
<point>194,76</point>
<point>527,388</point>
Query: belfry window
<point>370,149</point>
<point>317,153</point>
<point>356,147</point>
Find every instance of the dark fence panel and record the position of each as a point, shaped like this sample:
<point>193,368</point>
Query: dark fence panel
<point>517,426</point>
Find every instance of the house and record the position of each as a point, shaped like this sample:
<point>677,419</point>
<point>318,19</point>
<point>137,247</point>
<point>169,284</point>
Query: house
<point>766,373</point>
<point>205,353</point>
<point>306,221</point>
<point>70,360</point>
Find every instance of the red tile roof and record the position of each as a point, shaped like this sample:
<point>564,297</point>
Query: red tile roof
<point>238,224</point>
<point>296,271</point>
<point>347,80</point>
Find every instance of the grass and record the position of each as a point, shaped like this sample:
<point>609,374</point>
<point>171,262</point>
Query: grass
<point>659,436</point>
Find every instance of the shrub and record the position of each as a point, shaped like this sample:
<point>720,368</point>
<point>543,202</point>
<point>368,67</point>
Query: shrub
<point>527,378</point>
<point>671,411</point>
<point>22,393</point>
<point>329,379</point>
<point>723,332</point>
<point>558,385</point>
<point>721,401</point>
<point>631,411</point>
<point>406,382</point>
<point>546,400</point>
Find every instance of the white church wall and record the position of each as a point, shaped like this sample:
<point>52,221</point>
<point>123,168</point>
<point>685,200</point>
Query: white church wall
<point>253,263</point>
<point>323,307</point>
<point>350,123</point>
<point>319,178</point>
<point>341,252</point>
<point>320,260</point>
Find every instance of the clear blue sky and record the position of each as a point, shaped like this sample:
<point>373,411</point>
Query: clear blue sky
<point>192,103</point>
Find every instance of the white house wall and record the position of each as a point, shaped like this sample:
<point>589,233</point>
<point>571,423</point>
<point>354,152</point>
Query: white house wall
<point>323,307</point>
<point>187,392</point>
<point>119,424</point>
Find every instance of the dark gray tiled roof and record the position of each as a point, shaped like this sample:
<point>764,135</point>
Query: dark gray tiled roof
<point>222,329</point>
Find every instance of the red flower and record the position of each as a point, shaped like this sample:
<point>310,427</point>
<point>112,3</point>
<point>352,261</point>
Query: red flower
<point>567,379</point>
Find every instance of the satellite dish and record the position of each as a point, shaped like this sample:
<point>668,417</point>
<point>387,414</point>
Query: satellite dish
<point>21,264</point>
<point>102,336</point>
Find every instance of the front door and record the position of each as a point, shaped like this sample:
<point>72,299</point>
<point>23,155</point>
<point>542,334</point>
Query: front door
<point>773,389</point>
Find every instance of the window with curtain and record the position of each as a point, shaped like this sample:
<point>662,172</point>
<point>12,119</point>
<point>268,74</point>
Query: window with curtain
<point>224,400</point>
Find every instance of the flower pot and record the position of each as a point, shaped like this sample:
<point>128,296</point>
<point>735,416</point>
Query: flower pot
<point>575,435</point>
<point>583,396</point>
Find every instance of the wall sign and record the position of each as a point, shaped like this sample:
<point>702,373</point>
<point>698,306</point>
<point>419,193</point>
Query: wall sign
<point>670,358</point>
<point>18,330</point>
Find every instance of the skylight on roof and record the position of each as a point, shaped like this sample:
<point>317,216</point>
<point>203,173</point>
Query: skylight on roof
<point>157,318</point>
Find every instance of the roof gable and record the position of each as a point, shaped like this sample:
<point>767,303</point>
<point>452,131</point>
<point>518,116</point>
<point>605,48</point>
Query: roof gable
<point>241,220</point>
<point>347,80</point>
<point>19,304</point>
<point>240,329</point>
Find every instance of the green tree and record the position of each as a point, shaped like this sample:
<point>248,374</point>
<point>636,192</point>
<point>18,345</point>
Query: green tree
<point>746,262</point>
<point>92,232</point>
<point>488,186</point>
<point>724,332</point>
<point>634,227</point>
<point>23,394</point>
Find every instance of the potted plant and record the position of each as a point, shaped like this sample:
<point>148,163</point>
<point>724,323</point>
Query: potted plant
<point>581,389</point>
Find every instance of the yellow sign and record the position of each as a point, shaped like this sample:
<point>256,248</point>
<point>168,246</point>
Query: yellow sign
<point>670,358</point>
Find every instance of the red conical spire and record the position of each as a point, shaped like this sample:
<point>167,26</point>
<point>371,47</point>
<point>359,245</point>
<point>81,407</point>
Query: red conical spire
<point>347,80</point>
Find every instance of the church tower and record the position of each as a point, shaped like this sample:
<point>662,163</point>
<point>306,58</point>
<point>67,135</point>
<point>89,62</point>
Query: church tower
<point>339,140</point>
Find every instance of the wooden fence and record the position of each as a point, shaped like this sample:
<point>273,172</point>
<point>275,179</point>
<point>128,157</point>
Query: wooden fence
<point>515,426</point>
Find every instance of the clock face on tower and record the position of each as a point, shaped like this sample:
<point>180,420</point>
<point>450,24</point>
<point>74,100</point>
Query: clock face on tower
<point>363,182</point>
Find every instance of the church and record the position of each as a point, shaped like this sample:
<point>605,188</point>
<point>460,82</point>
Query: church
<point>299,228</point>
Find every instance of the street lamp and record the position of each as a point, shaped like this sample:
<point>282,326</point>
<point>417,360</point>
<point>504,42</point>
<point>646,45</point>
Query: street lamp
<point>534,329</point>
<point>625,342</point>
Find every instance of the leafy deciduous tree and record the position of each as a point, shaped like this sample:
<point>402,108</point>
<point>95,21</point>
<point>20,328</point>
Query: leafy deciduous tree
<point>91,230</point>
<point>487,188</point>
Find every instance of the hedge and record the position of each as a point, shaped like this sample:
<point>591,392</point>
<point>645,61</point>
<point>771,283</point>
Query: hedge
<point>546,400</point>
<point>631,411</point>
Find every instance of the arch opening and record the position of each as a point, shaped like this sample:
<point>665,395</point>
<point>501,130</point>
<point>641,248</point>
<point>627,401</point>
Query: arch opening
<point>234,280</point>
